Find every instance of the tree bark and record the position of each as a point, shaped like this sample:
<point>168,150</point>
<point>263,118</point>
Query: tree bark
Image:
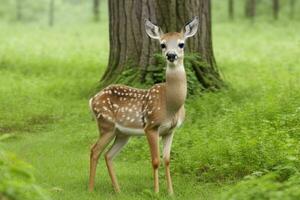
<point>134,56</point>
<point>96,11</point>
<point>250,9</point>
<point>51,12</point>
<point>276,7</point>
<point>231,9</point>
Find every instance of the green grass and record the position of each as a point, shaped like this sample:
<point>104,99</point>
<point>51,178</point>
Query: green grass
<point>48,74</point>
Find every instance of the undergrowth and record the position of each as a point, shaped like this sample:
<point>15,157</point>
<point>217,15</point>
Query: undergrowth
<point>17,181</point>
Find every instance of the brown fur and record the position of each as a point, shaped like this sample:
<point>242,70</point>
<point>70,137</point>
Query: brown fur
<point>172,35</point>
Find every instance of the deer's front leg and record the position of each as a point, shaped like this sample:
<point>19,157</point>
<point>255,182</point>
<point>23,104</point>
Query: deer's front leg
<point>153,140</point>
<point>167,143</point>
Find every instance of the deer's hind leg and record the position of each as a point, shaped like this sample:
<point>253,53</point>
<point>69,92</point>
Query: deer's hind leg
<point>107,133</point>
<point>119,143</point>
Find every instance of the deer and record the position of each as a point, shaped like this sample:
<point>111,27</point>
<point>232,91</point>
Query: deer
<point>122,111</point>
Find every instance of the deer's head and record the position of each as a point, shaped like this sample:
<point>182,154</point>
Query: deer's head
<point>172,43</point>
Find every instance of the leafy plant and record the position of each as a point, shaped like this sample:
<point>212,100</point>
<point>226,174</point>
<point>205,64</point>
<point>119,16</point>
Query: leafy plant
<point>281,184</point>
<point>17,181</point>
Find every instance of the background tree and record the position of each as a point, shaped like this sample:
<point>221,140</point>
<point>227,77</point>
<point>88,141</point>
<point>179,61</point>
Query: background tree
<point>275,9</point>
<point>132,59</point>
<point>231,9</point>
<point>292,8</point>
<point>96,11</point>
<point>19,9</point>
<point>250,9</point>
<point>51,12</point>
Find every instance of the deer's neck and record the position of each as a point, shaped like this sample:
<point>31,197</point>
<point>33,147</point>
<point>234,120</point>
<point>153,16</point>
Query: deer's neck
<point>176,86</point>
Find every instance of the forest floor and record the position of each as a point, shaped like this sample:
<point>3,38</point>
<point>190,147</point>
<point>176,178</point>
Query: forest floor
<point>48,74</point>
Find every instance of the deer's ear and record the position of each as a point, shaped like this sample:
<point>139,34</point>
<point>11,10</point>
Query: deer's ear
<point>152,30</point>
<point>190,28</point>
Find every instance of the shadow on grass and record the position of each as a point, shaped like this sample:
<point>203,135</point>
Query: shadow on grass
<point>32,124</point>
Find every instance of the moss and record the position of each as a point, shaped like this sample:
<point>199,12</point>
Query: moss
<point>132,75</point>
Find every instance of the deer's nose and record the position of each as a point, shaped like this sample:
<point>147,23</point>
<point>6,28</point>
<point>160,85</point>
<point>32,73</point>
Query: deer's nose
<point>171,57</point>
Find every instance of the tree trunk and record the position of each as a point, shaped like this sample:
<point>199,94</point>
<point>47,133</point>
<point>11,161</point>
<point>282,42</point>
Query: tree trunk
<point>275,9</point>
<point>96,11</point>
<point>19,9</point>
<point>51,12</point>
<point>231,9</point>
<point>134,57</point>
<point>292,8</point>
<point>250,9</point>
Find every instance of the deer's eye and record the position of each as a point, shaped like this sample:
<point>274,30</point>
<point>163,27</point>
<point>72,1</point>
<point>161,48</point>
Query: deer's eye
<point>163,45</point>
<point>181,45</point>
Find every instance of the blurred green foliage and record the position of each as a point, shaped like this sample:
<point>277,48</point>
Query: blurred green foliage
<point>283,183</point>
<point>17,181</point>
<point>65,11</point>
<point>264,10</point>
<point>75,11</point>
